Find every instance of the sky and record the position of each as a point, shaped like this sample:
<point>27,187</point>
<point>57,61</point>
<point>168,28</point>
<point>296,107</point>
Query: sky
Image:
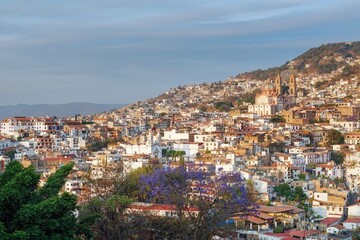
<point>123,51</point>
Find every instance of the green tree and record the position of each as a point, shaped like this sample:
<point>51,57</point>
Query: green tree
<point>30,212</point>
<point>283,190</point>
<point>298,195</point>
<point>337,156</point>
<point>223,106</point>
<point>175,154</point>
<point>302,176</point>
<point>129,185</point>
<point>356,233</point>
<point>277,119</point>
<point>279,229</point>
<point>334,137</point>
<point>284,89</point>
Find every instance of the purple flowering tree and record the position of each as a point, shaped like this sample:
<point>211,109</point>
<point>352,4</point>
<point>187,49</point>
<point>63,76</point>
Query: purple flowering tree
<point>202,202</point>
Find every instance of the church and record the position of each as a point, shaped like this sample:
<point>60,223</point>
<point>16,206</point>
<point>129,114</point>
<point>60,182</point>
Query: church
<point>271,100</point>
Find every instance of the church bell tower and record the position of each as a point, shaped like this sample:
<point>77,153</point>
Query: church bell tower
<point>278,84</point>
<point>292,85</point>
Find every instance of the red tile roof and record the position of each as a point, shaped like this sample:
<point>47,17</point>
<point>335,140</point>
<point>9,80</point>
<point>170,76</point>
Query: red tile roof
<point>265,216</point>
<point>302,233</point>
<point>329,221</point>
<point>277,209</point>
<point>338,226</point>
<point>255,220</point>
<point>352,220</point>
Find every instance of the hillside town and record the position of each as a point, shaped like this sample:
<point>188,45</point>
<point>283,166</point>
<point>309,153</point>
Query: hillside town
<point>295,144</point>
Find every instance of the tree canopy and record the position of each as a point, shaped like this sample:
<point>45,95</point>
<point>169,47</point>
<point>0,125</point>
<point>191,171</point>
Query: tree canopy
<point>284,190</point>
<point>334,137</point>
<point>277,119</point>
<point>337,156</point>
<point>31,212</point>
<point>215,199</point>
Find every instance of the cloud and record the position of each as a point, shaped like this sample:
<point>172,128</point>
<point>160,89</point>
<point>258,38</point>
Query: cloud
<point>116,47</point>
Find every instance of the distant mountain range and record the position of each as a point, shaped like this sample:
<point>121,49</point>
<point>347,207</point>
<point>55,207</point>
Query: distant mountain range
<point>59,110</point>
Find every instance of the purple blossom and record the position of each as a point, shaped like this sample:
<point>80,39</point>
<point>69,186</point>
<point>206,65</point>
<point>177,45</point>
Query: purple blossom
<point>226,193</point>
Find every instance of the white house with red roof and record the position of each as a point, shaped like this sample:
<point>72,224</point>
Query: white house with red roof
<point>336,229</point>
<point>351,223</point>
<point>330,169</point>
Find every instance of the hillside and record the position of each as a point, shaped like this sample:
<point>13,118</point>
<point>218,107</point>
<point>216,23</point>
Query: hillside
<point>68,109</point>
<point>320,60</point>
<point>329,71</point>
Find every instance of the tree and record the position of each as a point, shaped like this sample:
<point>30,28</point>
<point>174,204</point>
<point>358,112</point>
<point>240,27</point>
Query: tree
<point>175,154</point>
<point>279,229</point>
<point>334,137</point>
<point>356,233</point>
<point>302,176</point>
<point>252,193</point>
<point>338,181</point>
<point>129,185</point>
<point>30,212</point>
<point>283,190</point>
<point>249,97</point>
<point>298,195</point>
<point>109,217</point>
<point>112,192</point>
<point>277,119</point>
<point>215,198</point>
<point>223,106</point>
<point>337,156</point>
<point>284,89</point>
<point>276,147</point>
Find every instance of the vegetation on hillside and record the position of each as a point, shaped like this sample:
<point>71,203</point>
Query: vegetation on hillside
<point>321,60</point>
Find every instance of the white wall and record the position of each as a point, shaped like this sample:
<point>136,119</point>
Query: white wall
<point>172,135</point>
<point>354,210</point>
<point>190,149</point>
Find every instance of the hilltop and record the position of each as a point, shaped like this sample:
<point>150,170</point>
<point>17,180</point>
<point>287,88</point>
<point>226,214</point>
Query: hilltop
<point>321,72</point>
<point>320,60</point>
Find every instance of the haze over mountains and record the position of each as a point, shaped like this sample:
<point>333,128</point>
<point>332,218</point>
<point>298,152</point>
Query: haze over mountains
<point>317,70</point>
<point>330,70</point>
<point>68,109</point>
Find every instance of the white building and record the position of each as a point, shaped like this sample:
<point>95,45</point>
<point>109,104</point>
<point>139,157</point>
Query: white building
<point>330,170</point>
<point>11,126</point>
<point>351,223</point>
<point>75,143</point>
<point>352,178</point>
<point>354,210</point>
<point>173,135</point>
<point>5,143</point>
<point>190,149</point>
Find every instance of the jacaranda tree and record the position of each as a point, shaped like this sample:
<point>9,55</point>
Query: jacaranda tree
<point>31,212</point>
<point>202,201</point>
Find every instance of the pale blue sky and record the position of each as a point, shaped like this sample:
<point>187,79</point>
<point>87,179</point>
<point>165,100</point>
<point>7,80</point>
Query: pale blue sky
<point>114,51</point>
